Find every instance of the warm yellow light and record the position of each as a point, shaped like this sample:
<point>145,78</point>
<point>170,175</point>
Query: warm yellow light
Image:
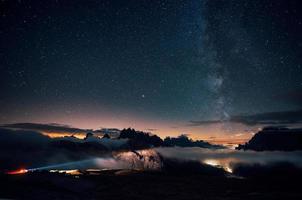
<point>71,172</point>
<point>62,134</point>
<point>211,162</point>
<point>217,163</point>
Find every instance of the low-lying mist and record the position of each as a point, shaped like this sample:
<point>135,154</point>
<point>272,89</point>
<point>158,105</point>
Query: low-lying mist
<point>142,160</point>
<point>32,150</point>
<point>230,159</point>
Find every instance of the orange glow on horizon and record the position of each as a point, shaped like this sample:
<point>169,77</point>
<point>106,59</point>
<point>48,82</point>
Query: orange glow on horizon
<point>225,141</point>
<point>91,118</point>
<point>228,140</point>
<point>19,171</point>
<point>214,133</point>
<point>62,134</point>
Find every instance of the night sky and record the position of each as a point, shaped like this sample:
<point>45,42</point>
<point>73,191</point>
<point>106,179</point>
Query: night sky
<point>212,69</point>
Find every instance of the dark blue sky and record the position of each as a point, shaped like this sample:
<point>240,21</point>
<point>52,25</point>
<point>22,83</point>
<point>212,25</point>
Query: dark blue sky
<point>150,64</point>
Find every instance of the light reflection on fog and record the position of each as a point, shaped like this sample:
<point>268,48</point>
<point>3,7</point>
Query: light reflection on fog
<point>227,158</point>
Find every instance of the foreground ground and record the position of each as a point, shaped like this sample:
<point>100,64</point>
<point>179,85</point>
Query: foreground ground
<point>145,185</point>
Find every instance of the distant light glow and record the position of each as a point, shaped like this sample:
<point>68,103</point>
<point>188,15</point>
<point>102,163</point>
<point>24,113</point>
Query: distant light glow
<point>228,169</point>
<point>211,162</point>
<point>62,134</point>
<point>71,172</point>
<point>217,163</point>
<point>19,171</point>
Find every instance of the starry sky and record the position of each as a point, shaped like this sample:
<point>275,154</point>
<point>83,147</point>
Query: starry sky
<point>215,70</point>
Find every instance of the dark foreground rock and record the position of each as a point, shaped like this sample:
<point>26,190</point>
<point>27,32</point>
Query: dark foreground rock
<point>147,185</point>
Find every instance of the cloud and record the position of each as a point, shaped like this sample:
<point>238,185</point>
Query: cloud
<point>112,132</point>
<point>229,158</point>
<point>108,130</point>
<point>52,127</point>
<point>22,147</point>
<point>26,148</point>
<point>60,129</point>
<point>269,118</point>
<point>30,149</point>
<point>12,138</point>
<point>33,150</point>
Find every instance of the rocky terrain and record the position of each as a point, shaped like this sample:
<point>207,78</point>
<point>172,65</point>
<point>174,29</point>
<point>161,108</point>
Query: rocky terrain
<point>275,139</point>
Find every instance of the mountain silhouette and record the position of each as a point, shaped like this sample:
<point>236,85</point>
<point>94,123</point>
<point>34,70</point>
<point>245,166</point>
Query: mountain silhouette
<point>275,139</point>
